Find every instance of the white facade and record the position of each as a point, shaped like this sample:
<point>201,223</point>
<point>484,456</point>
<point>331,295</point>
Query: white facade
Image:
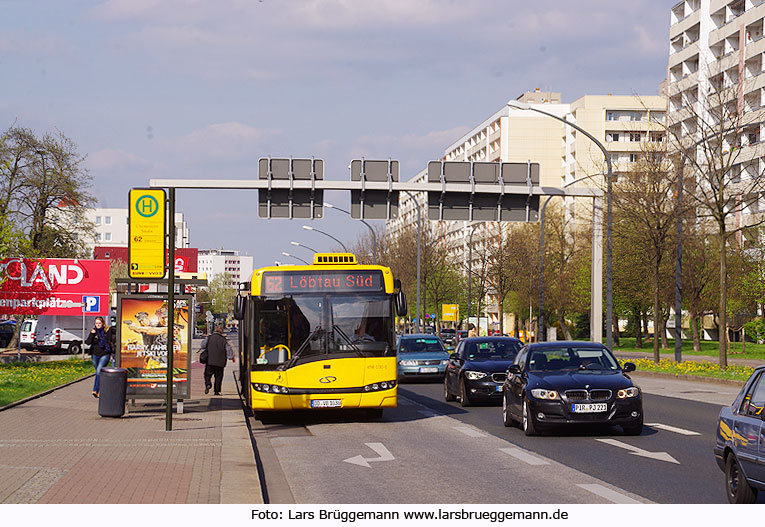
<point>218,261</point>
<point>111,228</point>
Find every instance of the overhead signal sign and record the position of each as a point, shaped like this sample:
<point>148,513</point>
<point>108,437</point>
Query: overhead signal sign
<point>297,200</point>
<point>146,233</point>
<point>478,191</point>
<point>369,204</point>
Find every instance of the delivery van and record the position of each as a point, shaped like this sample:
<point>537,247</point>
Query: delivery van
<point>64,334</point>
<point>28,328</point>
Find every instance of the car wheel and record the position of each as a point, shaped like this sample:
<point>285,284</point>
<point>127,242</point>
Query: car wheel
<point>736,486</point>
<point>448,396</point>
<point>75,348</point>
<point>634,429</point>
<point>507,420</point>
<point>464,397</point>
<point>529,426</point>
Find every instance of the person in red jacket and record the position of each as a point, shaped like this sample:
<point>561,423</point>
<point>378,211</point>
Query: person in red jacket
<point>219,351</point>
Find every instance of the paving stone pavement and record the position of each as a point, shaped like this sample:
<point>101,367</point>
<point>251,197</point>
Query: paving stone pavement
<point>57,449</point>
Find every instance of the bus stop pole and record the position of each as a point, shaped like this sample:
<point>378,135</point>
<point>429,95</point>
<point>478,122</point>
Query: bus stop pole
<point>170,307</point>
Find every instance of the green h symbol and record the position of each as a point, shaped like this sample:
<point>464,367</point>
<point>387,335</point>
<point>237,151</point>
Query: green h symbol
<point>147,206</point>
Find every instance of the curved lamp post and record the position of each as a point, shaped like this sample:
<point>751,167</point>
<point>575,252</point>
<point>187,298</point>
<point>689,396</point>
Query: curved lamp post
<point>470,277</point>
<point>374,236</point>
<point>419,243</point>
<point>519,105</point>
<point>298,244</point>
<point>295,257</point>
<point>308,228</point>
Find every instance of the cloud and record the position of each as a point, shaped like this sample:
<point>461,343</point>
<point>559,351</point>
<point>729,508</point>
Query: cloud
<point>221,142</point>
<point>111,160</point>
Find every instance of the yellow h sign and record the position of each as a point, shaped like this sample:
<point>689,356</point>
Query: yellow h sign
<point>146,233</point>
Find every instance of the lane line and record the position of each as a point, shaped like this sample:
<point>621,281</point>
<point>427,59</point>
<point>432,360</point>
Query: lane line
<point>524,456</point>
<point>610,495</point>
<point>674,429</point>
<point>468,431</point>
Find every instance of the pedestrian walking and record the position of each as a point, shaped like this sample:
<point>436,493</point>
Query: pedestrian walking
<point>219,350</point>
<point>102,343</point>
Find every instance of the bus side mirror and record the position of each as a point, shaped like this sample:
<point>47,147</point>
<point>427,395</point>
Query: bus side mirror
<point>239,307</point>
<point>401,303</point>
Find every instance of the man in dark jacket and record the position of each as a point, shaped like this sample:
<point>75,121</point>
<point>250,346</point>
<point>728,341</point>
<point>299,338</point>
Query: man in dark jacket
<point>218,352</point>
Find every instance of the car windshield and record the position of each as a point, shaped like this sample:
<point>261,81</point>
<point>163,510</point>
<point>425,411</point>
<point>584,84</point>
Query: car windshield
<point>447,331</point>
<point>492,350</point>
<point>420,344</point>
<point>571,358</point>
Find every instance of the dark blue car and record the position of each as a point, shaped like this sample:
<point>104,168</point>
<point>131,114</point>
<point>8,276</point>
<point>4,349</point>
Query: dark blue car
<point>740,444</point>
<point>478,367</point>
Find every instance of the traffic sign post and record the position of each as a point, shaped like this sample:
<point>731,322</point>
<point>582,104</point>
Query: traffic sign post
<point>146,233</point>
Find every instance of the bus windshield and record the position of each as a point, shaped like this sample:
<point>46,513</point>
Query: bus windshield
<point>300,327</point>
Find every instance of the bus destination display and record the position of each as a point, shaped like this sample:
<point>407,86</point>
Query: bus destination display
<point>322,281</point>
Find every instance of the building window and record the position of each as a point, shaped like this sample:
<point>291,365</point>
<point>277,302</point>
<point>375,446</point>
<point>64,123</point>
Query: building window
<point>98,237</point>
<point>612,116</point>
<point>98,220</point>
<point>108,236</point>
<point>636,116</point>
<point>635,137</point>
<point>633,158</point>
<point>657,137</point>
<point>107,220</point>
<point>612,137</point>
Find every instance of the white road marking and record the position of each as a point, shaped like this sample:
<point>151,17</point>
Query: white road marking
<point>673,429</point>
<point>471,432</point>
<point>428,413</point>
<point>660,456</point>
<point>610,495</point>
<point>383,453</point>
<point>524,456</point>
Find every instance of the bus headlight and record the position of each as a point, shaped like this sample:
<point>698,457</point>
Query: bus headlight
<point>269,388</point>
<point>377,386</point>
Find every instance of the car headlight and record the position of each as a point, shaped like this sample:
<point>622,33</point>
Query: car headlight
<point>444,362</point>
<point>408,362</point>
<point>632,391</point>
<point>475,375</point>
<point>549,395</point>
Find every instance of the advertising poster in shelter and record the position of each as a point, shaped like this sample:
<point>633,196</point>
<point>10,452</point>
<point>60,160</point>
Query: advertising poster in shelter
<point>142,333</point>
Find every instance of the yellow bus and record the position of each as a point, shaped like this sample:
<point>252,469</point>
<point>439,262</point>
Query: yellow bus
<point>319,336</point>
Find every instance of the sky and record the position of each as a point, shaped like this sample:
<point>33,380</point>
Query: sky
<point>201,89</point>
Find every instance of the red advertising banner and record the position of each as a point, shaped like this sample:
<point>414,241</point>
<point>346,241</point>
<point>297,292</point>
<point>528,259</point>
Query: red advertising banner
<point>54,286</point>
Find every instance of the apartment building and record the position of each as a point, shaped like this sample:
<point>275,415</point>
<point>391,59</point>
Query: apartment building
<point>219,261</point>
<point>623,124</point>
<point>716,71</point>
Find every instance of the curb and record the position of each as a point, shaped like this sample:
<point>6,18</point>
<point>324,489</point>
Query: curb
<point>684,377</point>
<point>46,392</point>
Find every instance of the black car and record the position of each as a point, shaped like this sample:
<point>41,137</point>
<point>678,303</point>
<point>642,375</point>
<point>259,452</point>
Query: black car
<point>740,443</point>
<point>559,383</point>
<point>448,335</point>
<point>478,367</point>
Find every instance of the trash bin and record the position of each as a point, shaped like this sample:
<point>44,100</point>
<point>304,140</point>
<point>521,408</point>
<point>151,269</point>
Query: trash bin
<point>111,397</point>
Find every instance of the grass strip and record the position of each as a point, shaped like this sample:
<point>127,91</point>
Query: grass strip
<point>19,380</point>
<point>692,368</point>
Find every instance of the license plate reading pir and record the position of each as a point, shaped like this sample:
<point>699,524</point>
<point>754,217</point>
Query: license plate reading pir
<point>326,403</point>
<point>587,408</point>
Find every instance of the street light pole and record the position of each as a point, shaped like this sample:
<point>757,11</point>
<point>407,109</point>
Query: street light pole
<point>295,257</point>
<point>374,236</point>
<point>470,275</point>
<point>309,228</point>
<point>298,244</point>
<point>609,179</point>
<point>419,243</point>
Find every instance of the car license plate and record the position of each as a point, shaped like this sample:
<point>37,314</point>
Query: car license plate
<point>499,388</point>
<point>326,403</point>
<point>589,408</point>
<point>428,370</point>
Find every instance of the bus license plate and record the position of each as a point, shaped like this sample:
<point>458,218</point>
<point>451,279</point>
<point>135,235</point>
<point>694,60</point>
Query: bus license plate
<point>428,370</point>
<point>589,408</point>
<point>326,403</point>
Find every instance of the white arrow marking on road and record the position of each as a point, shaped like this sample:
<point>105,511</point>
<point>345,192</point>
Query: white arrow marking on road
<point>673,429</point>
<point>381,451</point>
<point>660,456</point>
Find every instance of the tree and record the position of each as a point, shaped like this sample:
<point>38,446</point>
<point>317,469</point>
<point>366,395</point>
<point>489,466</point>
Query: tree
<point>43,195</point>
<point>646,218</point>
<point>221,294</point>
<point>710,135</point>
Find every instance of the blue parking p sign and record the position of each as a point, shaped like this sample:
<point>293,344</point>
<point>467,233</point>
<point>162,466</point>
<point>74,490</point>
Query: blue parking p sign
<point>91,304</point>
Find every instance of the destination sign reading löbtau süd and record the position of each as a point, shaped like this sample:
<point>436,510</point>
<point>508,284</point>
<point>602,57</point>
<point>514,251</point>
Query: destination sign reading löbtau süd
<point>146,233</point>
<point>322,281</point>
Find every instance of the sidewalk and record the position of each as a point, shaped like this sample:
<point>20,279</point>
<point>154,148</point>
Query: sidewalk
<point>57,449</point>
